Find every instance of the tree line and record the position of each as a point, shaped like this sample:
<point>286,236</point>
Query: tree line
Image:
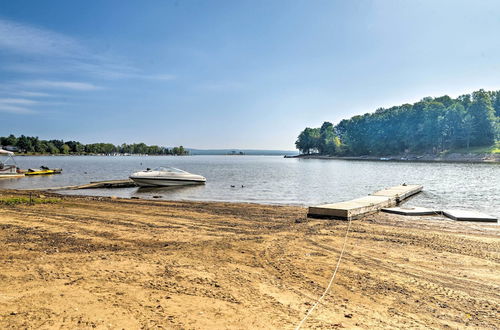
<point>430,125</point>
<point>30,144</point>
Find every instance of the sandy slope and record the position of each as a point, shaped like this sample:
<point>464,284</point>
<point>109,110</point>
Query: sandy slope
<point>96,262</point>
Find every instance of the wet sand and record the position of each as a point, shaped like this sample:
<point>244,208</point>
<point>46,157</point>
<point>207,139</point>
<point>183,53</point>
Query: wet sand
<point>119,263</point>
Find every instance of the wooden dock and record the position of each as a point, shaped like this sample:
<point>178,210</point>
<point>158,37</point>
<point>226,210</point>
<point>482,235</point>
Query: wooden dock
<point>96,184</point>
<point>107,184</point>
<point>359,207</point>
<point>401,192</point>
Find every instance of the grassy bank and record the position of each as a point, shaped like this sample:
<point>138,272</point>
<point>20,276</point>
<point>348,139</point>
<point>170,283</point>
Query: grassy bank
<point>494,149</point>
<point>28,200</point>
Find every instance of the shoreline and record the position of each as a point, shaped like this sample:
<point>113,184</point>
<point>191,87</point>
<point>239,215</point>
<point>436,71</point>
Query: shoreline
<point>83,261</point>
<point>96,155</point>
<point>428,158</point>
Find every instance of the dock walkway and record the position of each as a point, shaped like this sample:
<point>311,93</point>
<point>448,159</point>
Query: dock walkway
<point>356,208</point>
<point>95,185</point>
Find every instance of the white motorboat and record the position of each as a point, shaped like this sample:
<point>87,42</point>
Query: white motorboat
<point>8,166</point>
<point>166,176</point>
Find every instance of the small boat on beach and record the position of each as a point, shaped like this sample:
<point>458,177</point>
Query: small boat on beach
<point>8,166</point>
<point>166,176</point>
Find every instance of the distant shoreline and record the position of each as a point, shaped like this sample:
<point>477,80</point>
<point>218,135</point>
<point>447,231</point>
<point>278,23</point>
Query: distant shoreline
<point>426,158</point>
<point>146,155</point>
<point>97,155</point>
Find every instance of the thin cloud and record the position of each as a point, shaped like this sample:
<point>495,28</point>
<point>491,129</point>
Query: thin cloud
<point>15,109</point>
<point>32,94</point>
<point>55,53</point>
<point>22,38</point>
<point>17,101</point>
<point>115,71</point>
<point>69,85</point>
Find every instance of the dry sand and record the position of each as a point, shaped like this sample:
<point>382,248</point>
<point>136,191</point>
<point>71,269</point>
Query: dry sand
<point>116,263</point>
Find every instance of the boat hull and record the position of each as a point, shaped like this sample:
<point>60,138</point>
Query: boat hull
<point>44,172</point>
<point>9,171</point>
<point>164,182</point>
<point>9,176</point>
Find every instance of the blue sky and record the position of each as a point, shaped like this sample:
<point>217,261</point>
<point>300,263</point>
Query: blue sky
<point>231,74</point>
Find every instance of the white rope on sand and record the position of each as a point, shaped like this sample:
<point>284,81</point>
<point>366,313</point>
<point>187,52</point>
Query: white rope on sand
<point>331,280</point>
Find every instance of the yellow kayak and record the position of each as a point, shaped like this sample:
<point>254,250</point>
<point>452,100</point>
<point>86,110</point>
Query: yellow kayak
<point>32,171</point>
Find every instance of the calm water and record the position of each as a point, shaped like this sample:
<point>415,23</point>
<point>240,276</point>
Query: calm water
<point>276,180</point>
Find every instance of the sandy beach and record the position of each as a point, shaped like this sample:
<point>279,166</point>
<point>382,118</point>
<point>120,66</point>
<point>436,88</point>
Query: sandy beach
<point>107,263</point>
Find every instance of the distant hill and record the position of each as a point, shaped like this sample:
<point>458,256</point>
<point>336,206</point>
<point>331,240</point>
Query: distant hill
<point>248,152</point>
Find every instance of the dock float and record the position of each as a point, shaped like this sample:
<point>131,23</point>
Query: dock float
<point>467,215</point>
<point>107,184</point>
<point>359,207</point>
<point>458,215</point>
<point>95,185</point>
<point>401,192</point>
<point>412,211</point>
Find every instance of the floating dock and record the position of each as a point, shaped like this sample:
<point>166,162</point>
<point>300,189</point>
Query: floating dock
<point>401,192</point>
<point>96,184</point>
<point>467,215</point>
<point>107,184</point>
<point>458,215</point>
<point>359,207</point>
<point>412,211</point>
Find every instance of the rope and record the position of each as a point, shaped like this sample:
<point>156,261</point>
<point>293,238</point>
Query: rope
<point>331,280</point>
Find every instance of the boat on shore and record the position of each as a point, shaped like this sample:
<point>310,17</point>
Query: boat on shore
<point>165,177</point>
<point>8,166</point>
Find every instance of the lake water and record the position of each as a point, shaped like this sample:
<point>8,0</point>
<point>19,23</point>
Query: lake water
<point>276,180</point>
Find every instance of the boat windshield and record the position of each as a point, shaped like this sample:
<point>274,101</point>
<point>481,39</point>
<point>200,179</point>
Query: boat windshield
<point>7,159</point>
<point>168,169</point>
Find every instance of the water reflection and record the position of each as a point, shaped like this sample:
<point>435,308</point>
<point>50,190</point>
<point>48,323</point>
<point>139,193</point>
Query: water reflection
<point>149,191</point>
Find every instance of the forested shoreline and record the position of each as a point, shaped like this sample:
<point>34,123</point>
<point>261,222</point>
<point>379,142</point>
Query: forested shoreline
<point>34,145</point>
<point>432,125</point>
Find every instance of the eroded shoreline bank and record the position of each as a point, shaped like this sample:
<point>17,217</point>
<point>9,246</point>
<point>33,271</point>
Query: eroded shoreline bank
<point>96,261</point>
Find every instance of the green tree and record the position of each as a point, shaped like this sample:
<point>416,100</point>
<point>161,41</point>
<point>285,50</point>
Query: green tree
<point>496,103</point>
<point>52,148</point>
<point>326,145</point>
<point>24,144</point>
<point>65,149</point>
<point>454,129</point>
<point>11,140</point>
<point>481,110</point>
<point>307,140</point>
